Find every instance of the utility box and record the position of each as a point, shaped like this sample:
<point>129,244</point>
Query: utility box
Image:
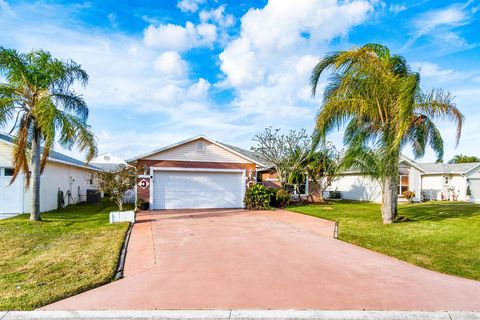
<point>93,196</point>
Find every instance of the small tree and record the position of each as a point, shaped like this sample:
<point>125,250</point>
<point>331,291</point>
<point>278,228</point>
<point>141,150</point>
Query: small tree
<point>284,152</point>
<point>116,182</point>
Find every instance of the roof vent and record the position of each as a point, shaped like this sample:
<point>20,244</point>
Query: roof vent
<point>200,146</point>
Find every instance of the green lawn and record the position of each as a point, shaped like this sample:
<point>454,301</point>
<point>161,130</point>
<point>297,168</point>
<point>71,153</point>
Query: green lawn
<point>439,236</point>
<point>72,250</point>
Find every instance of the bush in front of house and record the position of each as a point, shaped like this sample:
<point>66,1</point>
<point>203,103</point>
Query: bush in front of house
<point>282,197</point>
<point>409,195</point>
<point>142,204</point>
<point>257,197</point>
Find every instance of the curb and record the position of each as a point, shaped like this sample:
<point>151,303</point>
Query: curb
<point>123,254</point>
<point>240,315</point>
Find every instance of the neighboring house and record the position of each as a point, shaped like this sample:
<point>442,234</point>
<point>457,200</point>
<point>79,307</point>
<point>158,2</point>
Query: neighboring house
<point>429,181</point>
<point>195,173</point>
<point>108,162</point>
<point>71,176</point>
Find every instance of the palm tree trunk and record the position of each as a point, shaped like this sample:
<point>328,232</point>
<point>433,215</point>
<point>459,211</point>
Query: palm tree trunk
<point>35,167</point>
<point>389,200</point>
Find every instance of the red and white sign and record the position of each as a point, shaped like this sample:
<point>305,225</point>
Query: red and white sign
<point>143,183</point>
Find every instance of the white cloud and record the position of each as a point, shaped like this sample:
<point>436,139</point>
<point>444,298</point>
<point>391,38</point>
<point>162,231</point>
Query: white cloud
<point>438,74</point>
<point>217,16</point>
<point>269,64</point>
<point>441,24</point>
<point>189,5</point>
<point>171,64</point>
<point>179,38</point>
<point>397,8</point>
<point>5,7</point>
<point>306,27</point>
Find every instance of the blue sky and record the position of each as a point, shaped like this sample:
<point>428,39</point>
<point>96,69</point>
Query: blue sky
<point>163,71</point>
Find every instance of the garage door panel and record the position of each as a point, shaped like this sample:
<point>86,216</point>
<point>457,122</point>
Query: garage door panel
<point>475,190</point>
<point>10,195</point>
<point>185,190</point>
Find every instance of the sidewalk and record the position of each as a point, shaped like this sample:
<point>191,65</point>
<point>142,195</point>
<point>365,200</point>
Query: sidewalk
<point>238,315</point>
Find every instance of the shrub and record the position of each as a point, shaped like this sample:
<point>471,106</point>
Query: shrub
<point>142,204</point>
<point>409,195</point>
<point>283,197</point>
<point>257,197</point>
<point>273,199</point>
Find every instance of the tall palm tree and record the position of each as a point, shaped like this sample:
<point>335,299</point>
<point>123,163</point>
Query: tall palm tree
<point>37,100</point>
<point>379,99</point>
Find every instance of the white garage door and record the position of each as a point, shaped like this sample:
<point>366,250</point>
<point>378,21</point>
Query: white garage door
<point>474,190</point>
<point>10,195</point>
<point>196,190</point>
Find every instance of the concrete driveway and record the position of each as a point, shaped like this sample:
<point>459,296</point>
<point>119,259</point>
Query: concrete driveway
<point>221,259</point>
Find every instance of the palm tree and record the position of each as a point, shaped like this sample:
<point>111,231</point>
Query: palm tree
<point>38,101</point>
<point>460,158</point>
<point>379,99</point>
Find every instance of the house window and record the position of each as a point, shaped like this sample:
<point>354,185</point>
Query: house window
<point>8,172</point>
<point>403,181</point>
<point>201,146</point>
<point>445,180</point>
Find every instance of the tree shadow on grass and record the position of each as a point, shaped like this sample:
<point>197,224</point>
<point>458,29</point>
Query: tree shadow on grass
<point>438,211</point>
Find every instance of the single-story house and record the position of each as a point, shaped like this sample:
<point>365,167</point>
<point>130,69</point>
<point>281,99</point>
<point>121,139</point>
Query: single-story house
<point>195,173</point>
<point>204,173</point>
<point>62,173</point>
<point>429,181</point>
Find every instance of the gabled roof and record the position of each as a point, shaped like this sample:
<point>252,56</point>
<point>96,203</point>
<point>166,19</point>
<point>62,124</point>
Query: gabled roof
<point>440,167</point>
<point>246,153</point>
<point>54,156</point>
<point>411,162</point>
<point>235,150</point>
<point>458,168</point>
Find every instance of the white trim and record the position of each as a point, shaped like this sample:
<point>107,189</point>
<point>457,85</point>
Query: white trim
<point>472,168</point>
<point>150,202</point>
<point>244,187</point>
<point>411,163</point>
<point>194,169</point>
<point>190,140</point>
<point>443,173</point>
<point>74,165</point>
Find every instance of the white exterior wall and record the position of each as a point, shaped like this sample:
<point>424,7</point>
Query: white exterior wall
<point>55,175</point>
<point>213,153</point>
<point>355,187</point>
<point>432,186</point>
<point>415,183</point>
<point>65,177</point>
<point>5,155</point>
<point>460,184</point>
